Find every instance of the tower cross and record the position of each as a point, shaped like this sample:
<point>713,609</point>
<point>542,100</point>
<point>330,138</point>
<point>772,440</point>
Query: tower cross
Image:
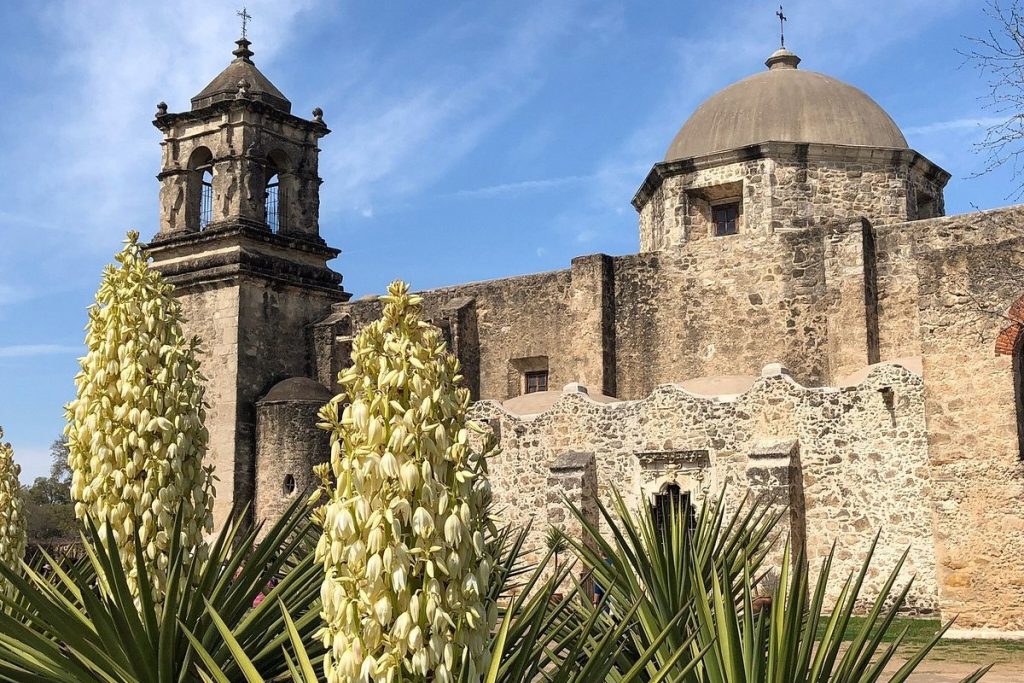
<point>245,20</point>
<point>782,27</point>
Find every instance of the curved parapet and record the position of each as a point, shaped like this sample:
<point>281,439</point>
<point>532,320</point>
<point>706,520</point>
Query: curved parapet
<point>845,462</point>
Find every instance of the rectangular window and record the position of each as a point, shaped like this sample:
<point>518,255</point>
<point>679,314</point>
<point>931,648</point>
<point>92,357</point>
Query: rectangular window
<point>206,205</point>
<point>726,218</point>
<point>536,381</point>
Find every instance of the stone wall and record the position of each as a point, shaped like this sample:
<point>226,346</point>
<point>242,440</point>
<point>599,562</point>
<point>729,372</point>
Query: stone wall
<point>254,333</point>
<point>288,445</point>
<point>212,315</point>
<point>856,460</point>
<point>507,326</point>
<point>274,342</point>
<point>786,186</point>
<point>969,277</point>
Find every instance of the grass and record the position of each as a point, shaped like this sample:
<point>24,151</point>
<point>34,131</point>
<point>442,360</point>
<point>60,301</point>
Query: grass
<point>920,631</point>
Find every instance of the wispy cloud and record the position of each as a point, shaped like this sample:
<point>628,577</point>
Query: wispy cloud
<point>522,186</point>
<point>27,350</point>
<point>408,124</point>
<point>978,123</point>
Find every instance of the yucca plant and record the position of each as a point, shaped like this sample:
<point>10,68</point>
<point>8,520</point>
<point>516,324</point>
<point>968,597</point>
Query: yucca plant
<point>12,513</point>
<point>60,626</point>
<point>135,429</point>
<point>657,566</point>
<point>404,547</point>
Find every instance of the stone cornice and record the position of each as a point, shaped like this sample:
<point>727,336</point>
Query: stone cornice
<point>787,152</point>
<point>231,268</point>
<point>231,252</point>
<point>165,121</point>
<point>235,231</point>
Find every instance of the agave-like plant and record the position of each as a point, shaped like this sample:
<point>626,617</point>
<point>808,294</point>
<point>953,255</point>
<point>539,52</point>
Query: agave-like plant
<point>711,569</point>
<point>539,636</point>
<point>135,429</point>
<point>12,514</point>
<point>716,632</point>
<point>59,625</point>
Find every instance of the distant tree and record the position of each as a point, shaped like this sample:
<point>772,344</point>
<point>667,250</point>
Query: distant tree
<point>999,56</point>
<point>50,511</point>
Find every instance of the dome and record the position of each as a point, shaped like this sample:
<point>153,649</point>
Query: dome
<point>785,104</point>
<point>298,389</point>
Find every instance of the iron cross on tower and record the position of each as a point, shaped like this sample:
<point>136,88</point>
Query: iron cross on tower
<point>246,17</point>
<point>782,27</point>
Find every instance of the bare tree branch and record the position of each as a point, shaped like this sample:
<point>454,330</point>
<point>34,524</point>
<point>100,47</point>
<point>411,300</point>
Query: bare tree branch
<point>999,56</point>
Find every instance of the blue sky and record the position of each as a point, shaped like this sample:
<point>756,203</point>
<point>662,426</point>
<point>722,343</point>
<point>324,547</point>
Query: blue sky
<point>471,140</point>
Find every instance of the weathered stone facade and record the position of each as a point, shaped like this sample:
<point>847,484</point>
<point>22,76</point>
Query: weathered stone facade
<point>800,322</point>
<point>848,461</point>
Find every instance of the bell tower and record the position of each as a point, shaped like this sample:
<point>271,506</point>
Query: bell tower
<point>240,239</point>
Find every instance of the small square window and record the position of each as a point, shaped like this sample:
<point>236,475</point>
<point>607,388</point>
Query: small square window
<point>726,218</point>
<point>536,381</point>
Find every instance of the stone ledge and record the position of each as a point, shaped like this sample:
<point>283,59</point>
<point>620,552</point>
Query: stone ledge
<point>981,634</point>
<point>572,461</point>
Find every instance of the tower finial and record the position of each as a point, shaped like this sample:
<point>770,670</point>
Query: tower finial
<point>246,17</point>
<point>242,51</point>
<point>779,14</point>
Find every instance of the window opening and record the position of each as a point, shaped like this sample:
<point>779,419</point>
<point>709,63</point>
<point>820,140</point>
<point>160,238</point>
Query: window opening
<point>206,199</point>
<point>667,506</point>
<point>536,381</point>
<point>289,485</point>
<point>726,218</point>
<point>273,186</point>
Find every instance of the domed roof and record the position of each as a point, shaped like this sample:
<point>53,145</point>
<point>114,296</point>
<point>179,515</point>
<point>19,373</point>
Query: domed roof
<point>226,85</point>
<point>785,104</point>
<point>298,389</point>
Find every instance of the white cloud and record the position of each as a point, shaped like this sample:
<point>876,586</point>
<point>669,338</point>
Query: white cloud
<point>409,123</point>
<point>522,186</point>
<point>976,123</point>
<point>28,350</point>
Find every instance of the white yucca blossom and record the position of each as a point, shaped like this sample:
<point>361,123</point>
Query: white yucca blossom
<point>12,513</point>
<point>404,544</point>
<point>135,431</point>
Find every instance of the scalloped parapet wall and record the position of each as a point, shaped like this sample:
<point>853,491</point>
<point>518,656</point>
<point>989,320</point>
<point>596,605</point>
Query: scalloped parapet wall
<point>846,462</point>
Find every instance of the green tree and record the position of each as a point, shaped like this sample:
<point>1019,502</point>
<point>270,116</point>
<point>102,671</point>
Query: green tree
<point>49,509</point>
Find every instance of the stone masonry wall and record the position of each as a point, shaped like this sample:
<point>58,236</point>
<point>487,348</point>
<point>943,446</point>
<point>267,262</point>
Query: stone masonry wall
<point>969,276</point>
<point>275,337</point>
<point>860,451</point>
<point>788,186</point>
<point>212,315</point>
<point>289,445</point>
<point>519,321</point>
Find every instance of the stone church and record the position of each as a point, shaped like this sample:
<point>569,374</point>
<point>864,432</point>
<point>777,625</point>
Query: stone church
<point>801,321</point>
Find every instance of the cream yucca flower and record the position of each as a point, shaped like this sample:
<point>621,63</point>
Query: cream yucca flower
<point>407,566</point>
<point>12,513</point>
<point>135,430</point>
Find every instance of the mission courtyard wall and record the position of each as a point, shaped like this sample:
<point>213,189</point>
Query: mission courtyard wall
<point>969,273</point>
<point>860,458</point>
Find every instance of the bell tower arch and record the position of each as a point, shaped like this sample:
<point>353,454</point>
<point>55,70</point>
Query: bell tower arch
<point>239,237</point>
